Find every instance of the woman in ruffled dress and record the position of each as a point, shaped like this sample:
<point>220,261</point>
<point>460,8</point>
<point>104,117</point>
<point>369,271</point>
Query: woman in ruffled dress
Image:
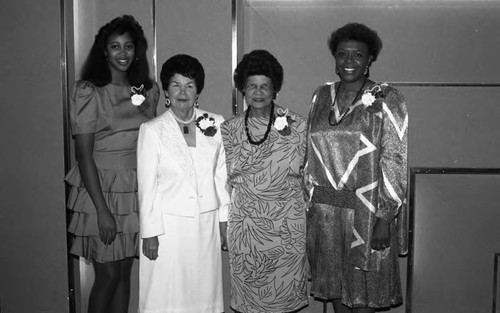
<point>265,149</point>
<point>113,98</point>
<point>356,176</point>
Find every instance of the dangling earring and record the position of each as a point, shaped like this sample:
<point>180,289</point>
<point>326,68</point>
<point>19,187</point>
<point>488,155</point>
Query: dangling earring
<point>167,102</point>
<point>275,96</point>
<point>245,105</point>
<point>367,72</point>
<point>337,71</point>
<point>196,104</point>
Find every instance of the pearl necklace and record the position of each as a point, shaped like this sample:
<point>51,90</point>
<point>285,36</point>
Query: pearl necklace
<point>268,130</point>
<point>185,124</point>
<point>330,115</point>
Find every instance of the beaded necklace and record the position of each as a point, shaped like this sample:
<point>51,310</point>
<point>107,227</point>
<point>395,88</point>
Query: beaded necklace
<point>185,124</point>
<point>268,130</point>
<point>330,115</point>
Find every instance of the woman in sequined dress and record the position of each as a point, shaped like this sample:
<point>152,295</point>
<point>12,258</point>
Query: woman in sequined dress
<point>356,178</point>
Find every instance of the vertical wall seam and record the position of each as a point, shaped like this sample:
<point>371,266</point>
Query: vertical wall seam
<point>234,52</point>
<point>155,61</point>
<point>66,139</point>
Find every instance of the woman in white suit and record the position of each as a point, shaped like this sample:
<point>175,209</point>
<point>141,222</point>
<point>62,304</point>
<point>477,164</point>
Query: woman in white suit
<point>182,195</point>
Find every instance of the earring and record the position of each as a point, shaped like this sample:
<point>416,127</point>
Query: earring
<point>167,102</point>
<point>245,105</point>
<point>367,72</point>
<point>196,104</point>
<point>337,71</point>
<point>275,96</point>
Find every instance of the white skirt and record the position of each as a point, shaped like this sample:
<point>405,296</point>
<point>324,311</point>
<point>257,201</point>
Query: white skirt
<point>187,275</point>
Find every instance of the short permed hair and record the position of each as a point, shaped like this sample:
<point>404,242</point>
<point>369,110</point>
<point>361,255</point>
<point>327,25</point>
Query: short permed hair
<point>96,68</point>
<point>186,66</point>
<point>258,62</point>
<point>356,32</point>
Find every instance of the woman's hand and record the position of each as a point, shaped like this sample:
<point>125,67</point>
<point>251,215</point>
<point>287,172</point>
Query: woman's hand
<point>381,235</point>
<point>223,235</point>
<point>84,147</point>
<point>150,247</point>
<point>107,227</point>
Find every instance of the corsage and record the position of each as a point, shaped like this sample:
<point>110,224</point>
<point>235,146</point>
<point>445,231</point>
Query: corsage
<point>372,98</point>
<point>206,124</point>
<point>282,122</point>
<point>138,96</point>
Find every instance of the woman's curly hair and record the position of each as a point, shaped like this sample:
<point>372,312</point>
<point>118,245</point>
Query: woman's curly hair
<point>96,68</point>
<point>356,32</point>
<point>258,62</point>
<point>186,66</point>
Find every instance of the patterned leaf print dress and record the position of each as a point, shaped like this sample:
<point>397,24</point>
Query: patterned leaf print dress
<point>356,172</point>
<point>266,227</point>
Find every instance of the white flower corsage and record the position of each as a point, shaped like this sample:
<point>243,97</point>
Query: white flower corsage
<point>368,99</point>
<point>206,124</point>
<point>372,98</point>
<point>282,122</point>
<point>137,95</point>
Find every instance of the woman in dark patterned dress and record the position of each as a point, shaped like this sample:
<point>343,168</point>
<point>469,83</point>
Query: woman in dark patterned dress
<point>114,97</point>
<point>356,177</point>
<point>265,149</point>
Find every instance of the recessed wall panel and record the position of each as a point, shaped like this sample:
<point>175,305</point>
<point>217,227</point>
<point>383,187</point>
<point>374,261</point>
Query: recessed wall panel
<point>455,241</point>
<point>453,126</point>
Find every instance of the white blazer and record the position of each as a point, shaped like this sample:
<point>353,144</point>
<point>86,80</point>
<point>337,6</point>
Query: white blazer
<point>171,181</point>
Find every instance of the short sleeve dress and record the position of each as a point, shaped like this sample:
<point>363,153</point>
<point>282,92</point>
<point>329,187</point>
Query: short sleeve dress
<point>266,225</point>
<point>356,172</point>
<point>109,114</point>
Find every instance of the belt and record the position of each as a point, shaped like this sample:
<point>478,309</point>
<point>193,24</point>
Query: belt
<point>338,198</point>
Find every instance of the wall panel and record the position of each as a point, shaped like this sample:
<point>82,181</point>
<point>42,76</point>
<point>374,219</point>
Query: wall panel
<point>453,126</point>
<point>33,263</point>
<point>201,29</point>
<point>456,226</point>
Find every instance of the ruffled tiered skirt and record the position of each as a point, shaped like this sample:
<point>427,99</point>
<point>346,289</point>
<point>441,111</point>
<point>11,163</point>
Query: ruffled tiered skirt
<point>119,187</point>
